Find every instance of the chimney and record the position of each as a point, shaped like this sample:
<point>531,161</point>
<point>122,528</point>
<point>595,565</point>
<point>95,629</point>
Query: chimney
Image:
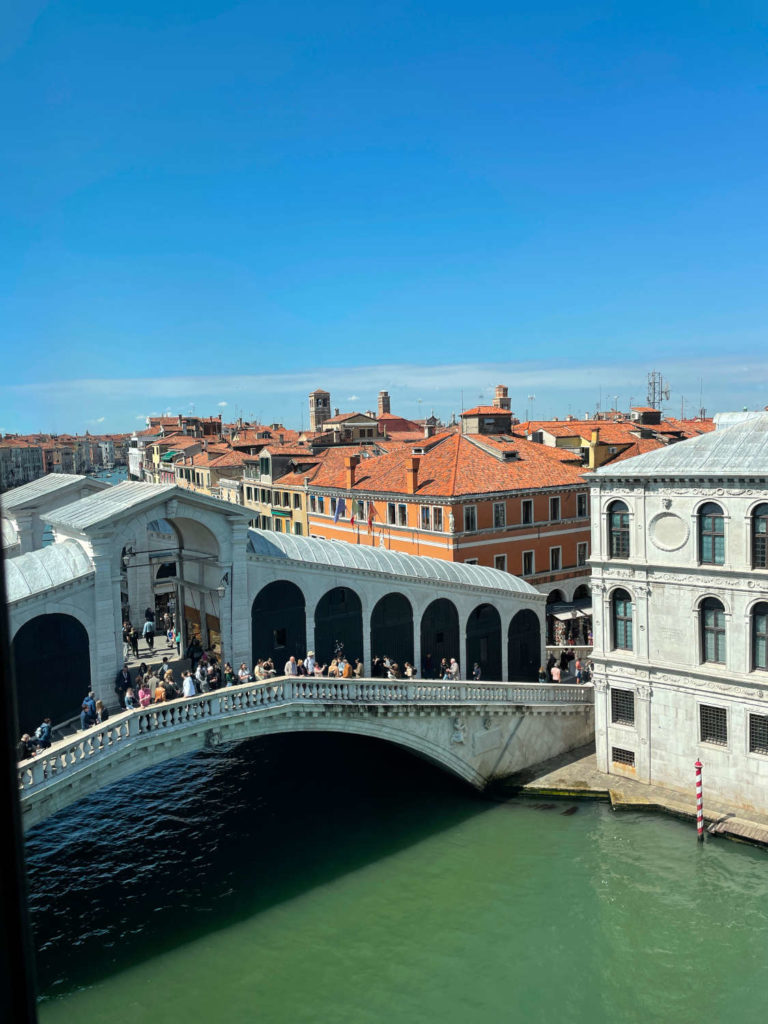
<point>595,439</point>
<point>383,408</point>
<point>335,412</point>
<point>350,464</point>
<point>501,397</point>
<point>412,475</point>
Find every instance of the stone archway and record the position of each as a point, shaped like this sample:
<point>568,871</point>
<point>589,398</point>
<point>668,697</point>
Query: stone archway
<point>279,623</point>
<point>484,643</point>
<point>338,620</point>
<point>524,647</point>
<point>392,629</point>
<point>52,664</point>
<point>439,636</point>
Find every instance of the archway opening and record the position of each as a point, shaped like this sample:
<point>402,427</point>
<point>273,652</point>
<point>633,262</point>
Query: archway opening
<point>392,629</point>
<point>524,647</point>
<point>278,623</point>
<point>439,636</point>
<point>554,628</point>
<point>484,643</point>
<point>338,626</point>
<point>52,664</point>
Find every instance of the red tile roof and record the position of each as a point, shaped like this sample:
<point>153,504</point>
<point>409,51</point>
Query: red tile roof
<point>486,410</point>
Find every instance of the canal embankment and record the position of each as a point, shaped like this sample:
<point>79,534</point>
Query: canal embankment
<point>575,775</point>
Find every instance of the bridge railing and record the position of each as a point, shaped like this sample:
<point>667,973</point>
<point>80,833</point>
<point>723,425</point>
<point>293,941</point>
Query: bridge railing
<point>69,755</point>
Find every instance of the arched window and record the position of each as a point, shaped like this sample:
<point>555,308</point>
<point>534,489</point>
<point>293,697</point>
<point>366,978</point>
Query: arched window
<point>760,537</point>
<point>618,530</point>
<point>711,534</point>
<point>621,616</point>
<point>712,631</point>
<point>760,636</point>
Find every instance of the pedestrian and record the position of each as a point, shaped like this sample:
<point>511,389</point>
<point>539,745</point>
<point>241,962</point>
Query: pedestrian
<point>167,621</point>
<point>126,640</point>
<point>243,674</point>
<point>443,668</point>
<point>87,715</point>
<point>577,668</point>
<point>177,640</point>
<point>309,663</point>
<point>333,669</point>
<point>25,749</point>
<point>101,712</point>
<point>291,669</point>
<point>159,693</point>
<point>359,668</point>
<point>122,682</point>
<point>43,734</point>
<point>145,693</point>
<point>194,651</point>
<point>347,671</point>
<point>131,703</point>
<point>188,685</point>
<point>454,670</point>
<point>555,673</point>
<point>542,674</point>
<point>476,673</point>
<point>551,661</point>
<point>133,639</point>
<point>229,674</point>
<point>169,685</point>
<point>148,632</point>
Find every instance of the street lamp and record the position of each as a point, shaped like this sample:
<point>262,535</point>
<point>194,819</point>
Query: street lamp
<point>223,584</point>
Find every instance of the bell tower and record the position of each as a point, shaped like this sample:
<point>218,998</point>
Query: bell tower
<point>319,408</point>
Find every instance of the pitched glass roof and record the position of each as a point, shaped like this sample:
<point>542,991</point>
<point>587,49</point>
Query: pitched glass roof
<point>374,559</point>
<point>97,508</point>
<point>38,571</point>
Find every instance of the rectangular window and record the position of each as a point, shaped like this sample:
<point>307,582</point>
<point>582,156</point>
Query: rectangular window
<point>264,467</point>
<point>499,515</point>
<point>333,506</point>
<point>581,506</point>
<point>758,734</point>
<point>470,518</point>
<point>500,562</point>
<point>582,550</point>
<point>249,493</point>
<point>425,520</point>
<point>320,504</point>
<point>312,503</point>
<point>402,515</point>
<point>554,559</point>
<point>391,513</point>
<point>470,561</point>
<point>528,566</point>
<point>713,723</point>
<point>297,529</point>
<point>278,526</point>
<point>437,519</point>
<point>527,510</point>
<point>621,756</point>
<point>622,707</point>
<point>554,509</point>
<point>297,501</point>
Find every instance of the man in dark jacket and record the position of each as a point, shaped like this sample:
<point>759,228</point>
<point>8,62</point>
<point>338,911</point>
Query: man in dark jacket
<point>122,682</point>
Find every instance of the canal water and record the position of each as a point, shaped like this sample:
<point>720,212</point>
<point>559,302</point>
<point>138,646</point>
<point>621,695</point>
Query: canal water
<point>320,878</point>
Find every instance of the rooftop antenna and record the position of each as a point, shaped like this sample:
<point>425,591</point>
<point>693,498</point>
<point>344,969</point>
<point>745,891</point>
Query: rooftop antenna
<point>531,399</point>
<point>658,389</point>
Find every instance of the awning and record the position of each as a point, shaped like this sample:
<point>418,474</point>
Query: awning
<point>567,616</point>
<point>279,512</point>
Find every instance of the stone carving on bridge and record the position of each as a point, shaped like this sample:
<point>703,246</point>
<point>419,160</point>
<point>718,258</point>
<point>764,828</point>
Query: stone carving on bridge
<point>459,729</point>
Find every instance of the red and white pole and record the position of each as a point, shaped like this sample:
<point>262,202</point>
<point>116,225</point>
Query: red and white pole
<point>699,804</point>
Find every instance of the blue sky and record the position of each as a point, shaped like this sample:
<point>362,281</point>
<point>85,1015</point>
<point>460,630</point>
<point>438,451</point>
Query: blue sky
<point>205,203</point>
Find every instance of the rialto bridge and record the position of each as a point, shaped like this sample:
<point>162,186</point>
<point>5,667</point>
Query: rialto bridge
<point>257,594</point>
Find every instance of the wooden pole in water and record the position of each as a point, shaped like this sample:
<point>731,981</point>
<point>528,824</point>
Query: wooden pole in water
<point>699,804</point>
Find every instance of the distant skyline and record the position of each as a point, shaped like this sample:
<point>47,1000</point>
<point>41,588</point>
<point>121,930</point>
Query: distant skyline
<point>537,391</point>
<point>420,197</point>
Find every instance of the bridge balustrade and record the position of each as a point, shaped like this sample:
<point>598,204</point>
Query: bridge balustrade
<point>67,756</point>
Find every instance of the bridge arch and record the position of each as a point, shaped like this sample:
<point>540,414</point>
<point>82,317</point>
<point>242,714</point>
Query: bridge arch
<point>279,623</point>
<point>52,661</point>
<point>524,646</point>
<point>338,620</point>
<point>392,628</point>
<point>484,642</point>
<point>439,635</point>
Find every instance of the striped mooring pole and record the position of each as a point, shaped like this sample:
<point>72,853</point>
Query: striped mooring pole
<point>699,804</point>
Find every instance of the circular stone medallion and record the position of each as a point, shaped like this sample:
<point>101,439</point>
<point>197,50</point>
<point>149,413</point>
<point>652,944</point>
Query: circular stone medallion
<point>668,532</point>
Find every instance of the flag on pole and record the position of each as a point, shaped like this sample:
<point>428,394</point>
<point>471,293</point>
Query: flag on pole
<point>355,511</point>
<point>371,515</point>
<point>340,510</point>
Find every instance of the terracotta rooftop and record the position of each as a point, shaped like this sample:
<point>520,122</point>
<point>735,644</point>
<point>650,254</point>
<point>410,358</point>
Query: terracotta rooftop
<point>486,410</point>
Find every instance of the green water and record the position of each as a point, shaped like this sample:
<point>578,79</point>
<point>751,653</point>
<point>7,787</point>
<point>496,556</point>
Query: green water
<point>317,879</point>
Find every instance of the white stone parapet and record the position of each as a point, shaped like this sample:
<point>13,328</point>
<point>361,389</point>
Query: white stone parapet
<point>77,766</point>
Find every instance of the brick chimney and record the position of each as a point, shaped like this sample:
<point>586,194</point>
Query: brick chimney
<point>350,464</point>
<point>412,474</point>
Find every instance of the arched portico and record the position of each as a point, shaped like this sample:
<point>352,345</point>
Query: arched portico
<point>338,621</point>
<point>392,629</point>
<point>524,646</point>
<point>484,642</point>
<point>278,623</point>
<point>51,655</point>
<point>439,635</point>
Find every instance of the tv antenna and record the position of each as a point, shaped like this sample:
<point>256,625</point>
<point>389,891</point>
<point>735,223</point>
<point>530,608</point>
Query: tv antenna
<point>658,389</point>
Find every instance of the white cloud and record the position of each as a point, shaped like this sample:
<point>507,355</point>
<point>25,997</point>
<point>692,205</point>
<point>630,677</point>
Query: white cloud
<point>101,419</point>
<point>353,398</point>
<point>222,404</point>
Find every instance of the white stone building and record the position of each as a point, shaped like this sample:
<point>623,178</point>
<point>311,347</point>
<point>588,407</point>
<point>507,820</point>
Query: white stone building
<point>680,599</point>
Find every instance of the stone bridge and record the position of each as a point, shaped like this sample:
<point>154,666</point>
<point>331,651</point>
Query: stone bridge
<point>477,731</point>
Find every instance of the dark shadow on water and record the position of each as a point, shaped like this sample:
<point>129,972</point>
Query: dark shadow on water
<point>205,841</point>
